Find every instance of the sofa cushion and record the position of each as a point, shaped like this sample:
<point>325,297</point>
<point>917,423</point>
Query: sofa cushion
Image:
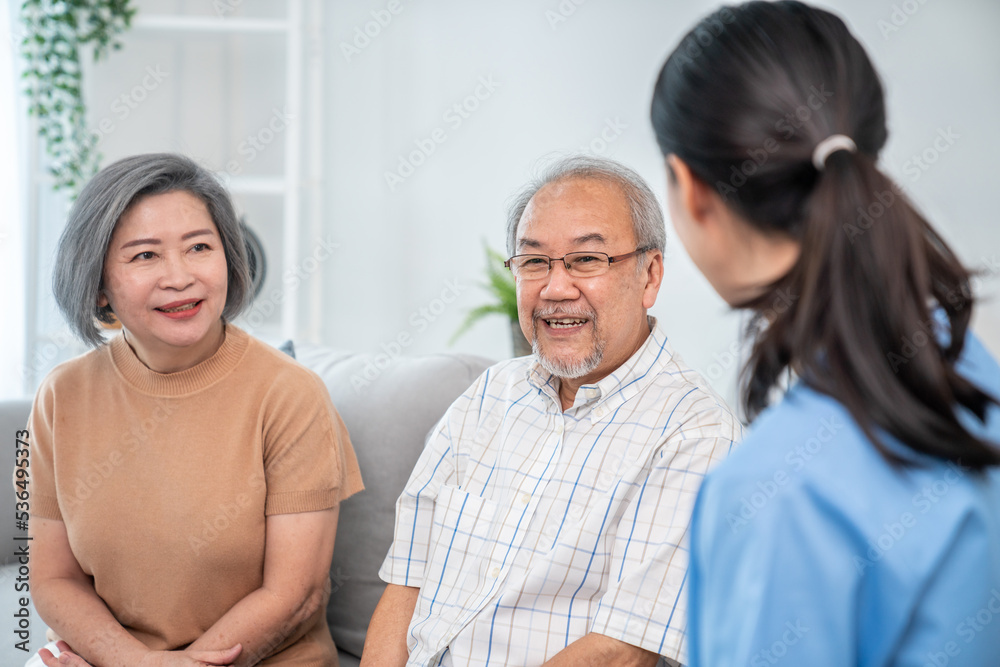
<point>13,418</point>
<point>389,406</point>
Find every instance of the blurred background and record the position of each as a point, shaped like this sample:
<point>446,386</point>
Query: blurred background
<point>372,147</point>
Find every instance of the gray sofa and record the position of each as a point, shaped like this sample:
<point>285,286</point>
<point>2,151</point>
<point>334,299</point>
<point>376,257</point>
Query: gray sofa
<point>389,405</point>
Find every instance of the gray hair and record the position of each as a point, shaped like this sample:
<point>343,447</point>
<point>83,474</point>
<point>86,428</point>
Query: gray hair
<point>79,269</point>
<point>647,217</point>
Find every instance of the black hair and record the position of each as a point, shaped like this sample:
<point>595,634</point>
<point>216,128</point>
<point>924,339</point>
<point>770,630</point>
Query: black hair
<point>743,101</point>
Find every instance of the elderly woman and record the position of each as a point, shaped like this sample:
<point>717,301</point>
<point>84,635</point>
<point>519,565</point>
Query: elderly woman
<point>185,477</point>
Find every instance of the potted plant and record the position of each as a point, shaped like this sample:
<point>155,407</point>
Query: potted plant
<point>499,283</point>
<point>55,38</point>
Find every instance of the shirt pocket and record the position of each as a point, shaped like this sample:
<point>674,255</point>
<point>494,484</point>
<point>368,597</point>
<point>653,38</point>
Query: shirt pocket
<point>461,537</point>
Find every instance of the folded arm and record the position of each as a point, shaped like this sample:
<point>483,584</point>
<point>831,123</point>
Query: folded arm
<point>66,600</point>
<point>297,554</point>
<point>298,551</point>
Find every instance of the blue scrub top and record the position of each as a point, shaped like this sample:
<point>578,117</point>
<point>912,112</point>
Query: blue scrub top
<point>809,549</point>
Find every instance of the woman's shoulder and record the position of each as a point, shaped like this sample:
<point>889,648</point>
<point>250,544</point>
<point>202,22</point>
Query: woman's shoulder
<point>814,434</point>
<point>807,463</point>
<point>279,369</point>
<point>72,373</point>
<point>978,366</point>
<point>796,435</point>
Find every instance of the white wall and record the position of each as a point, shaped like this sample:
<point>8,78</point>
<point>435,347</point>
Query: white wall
<point>558,86</point>
<point>12,264</point>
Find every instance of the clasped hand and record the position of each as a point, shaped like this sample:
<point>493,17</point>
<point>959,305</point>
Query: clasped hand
<point>152,659</point>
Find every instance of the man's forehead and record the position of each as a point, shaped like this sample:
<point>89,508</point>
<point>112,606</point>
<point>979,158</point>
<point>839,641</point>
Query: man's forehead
<point>588,208</point>
<point>573,190</point>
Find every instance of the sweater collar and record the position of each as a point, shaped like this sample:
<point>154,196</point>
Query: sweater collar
<point>193,379</point>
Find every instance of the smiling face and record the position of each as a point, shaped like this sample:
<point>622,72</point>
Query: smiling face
<point>165,279</point>
<point>582,329</point>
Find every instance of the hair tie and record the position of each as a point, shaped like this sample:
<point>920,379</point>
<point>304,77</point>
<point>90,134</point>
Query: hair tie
<point>830,145</point>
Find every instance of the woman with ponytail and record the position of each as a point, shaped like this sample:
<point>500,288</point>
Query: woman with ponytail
<point>859,523</point>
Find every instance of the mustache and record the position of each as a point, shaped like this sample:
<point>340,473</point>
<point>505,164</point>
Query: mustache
<point>549,312</point>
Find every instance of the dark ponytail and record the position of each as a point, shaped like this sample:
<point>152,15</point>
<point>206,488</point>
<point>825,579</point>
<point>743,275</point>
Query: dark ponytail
<point>743,101</point>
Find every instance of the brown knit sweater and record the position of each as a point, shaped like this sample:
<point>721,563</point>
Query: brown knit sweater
<point>164,480</point>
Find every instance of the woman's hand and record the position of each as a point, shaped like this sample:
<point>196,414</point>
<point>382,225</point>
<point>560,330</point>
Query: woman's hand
<point>71,659</point>
<point>188,658</point>
<point>158,658</point>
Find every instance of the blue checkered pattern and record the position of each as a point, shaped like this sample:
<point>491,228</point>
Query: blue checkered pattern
<point>526,527</point>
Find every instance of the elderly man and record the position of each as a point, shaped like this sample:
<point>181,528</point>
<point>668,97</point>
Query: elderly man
<point>546,520</point>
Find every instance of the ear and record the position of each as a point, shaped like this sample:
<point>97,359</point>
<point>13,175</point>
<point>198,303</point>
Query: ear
<point>102,299</point>
<point>654,276</point>
<point>697,198</point>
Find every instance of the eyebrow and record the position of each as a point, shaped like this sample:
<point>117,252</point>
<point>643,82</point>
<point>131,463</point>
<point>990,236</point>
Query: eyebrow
<point>586,238</point>
<point>185,237</point>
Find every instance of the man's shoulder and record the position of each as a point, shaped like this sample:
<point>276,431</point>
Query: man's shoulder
<point>672,381</point>
<point>500,383</point>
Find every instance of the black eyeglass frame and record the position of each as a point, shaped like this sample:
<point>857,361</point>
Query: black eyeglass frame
<point>611,259</point>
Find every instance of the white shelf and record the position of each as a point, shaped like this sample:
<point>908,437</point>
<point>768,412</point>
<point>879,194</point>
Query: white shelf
<point>288,185</point>
<point>256,185</point>
<point>208,23</point>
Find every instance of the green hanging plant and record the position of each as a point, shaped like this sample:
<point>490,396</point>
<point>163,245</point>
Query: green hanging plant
<point>55,33</point>
<point>500,284</point>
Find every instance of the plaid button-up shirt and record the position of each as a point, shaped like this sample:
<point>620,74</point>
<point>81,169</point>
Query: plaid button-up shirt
<point>526,527</point>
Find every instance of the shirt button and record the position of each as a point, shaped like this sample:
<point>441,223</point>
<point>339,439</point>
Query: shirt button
<point>525,498</point>
<point>495,572</point>
<point>559,429</point>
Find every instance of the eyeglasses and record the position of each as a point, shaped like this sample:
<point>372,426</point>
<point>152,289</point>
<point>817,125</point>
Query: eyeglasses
<point>578,264</point>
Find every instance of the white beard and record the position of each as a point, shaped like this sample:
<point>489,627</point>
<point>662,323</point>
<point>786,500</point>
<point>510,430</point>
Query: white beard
<point>569,369</point>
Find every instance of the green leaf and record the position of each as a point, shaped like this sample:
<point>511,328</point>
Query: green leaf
<point>500,284</point>
<point>54,81</point>
<point>474,316</point>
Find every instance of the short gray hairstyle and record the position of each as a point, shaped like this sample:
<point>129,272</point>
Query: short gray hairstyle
<point>647,216</point>
<point>83,246</point>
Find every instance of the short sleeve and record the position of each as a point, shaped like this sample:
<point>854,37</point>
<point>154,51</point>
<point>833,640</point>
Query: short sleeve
<point>309,462</point>
<point>43,499</point>
<point>770,577</point>
<point>436,467</point>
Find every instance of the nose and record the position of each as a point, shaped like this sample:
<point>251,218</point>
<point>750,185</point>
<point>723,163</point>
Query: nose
<point>559,285</point>
<point>176,275</point>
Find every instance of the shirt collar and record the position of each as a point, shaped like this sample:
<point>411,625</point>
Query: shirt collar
<point>603,397</point>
